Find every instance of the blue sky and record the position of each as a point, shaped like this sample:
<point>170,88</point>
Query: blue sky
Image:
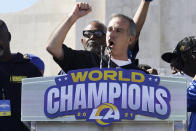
<point>15,5</point>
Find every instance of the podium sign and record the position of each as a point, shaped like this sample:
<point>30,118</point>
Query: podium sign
<point>104,96</point>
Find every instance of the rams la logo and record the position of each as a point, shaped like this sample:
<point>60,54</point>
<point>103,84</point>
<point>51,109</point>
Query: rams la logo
<point>105,112</point>
<point>182,48</point>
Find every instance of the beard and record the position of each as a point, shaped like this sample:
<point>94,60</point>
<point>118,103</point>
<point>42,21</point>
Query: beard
<point>91,45</point>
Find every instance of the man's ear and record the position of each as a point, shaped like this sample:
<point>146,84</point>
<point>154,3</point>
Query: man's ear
<point>132,42</point>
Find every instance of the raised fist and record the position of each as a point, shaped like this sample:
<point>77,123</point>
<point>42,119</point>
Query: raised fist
<point>81,9</point>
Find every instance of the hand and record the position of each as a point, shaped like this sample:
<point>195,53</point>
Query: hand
<point>152,71</point>
<point>81,9</point>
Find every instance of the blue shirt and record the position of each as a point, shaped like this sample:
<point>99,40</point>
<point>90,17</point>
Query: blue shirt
<point>191,104</point>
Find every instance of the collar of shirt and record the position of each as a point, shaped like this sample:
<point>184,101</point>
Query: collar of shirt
<point>121,62</point>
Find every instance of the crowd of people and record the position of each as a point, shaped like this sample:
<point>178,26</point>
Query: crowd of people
<point>113,46</point>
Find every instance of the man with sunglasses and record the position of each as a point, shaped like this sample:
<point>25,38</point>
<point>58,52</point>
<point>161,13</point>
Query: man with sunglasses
<point>94,37</point>
<point>118,40</point>
<point>183,60</point>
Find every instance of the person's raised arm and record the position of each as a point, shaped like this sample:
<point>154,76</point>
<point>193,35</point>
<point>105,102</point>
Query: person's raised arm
<point>56,39</point>
<point>140,16</point>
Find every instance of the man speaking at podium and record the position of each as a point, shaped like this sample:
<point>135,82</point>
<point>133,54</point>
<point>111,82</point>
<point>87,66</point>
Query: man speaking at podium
<point>120,32</point>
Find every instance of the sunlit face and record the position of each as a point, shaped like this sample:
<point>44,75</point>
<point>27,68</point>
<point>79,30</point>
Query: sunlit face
<point>94,37</point>
<point>117,36</point>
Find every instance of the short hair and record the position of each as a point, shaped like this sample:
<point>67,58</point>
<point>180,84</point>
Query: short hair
<point>132,26</point>
<point>4,32</point>
<point>100,23</point>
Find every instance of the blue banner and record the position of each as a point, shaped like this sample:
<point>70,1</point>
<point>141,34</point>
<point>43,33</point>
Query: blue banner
<point>107,95</point>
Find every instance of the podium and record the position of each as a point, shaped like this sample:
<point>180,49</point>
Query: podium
<point>32,109</point>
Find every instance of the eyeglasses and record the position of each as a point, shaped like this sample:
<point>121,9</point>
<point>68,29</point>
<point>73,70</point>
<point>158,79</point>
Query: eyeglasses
<point>96,33</point>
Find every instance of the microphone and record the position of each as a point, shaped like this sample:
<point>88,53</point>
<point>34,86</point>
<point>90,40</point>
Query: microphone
<point>109,46</point>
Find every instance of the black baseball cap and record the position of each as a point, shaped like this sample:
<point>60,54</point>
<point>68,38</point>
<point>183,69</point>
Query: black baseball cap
<point>183,46</point>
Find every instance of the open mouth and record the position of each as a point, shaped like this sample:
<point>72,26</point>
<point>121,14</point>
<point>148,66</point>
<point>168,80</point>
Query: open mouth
<point>111,44</point>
